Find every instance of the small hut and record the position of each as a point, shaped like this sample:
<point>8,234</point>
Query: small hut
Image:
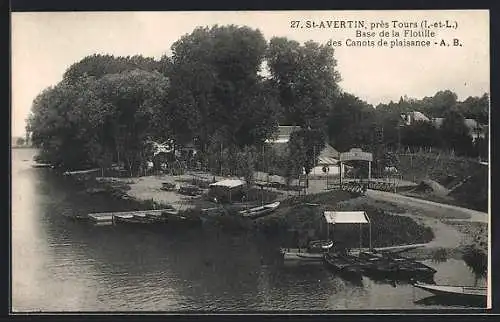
<point>332,218</point>
<point>227,190</point>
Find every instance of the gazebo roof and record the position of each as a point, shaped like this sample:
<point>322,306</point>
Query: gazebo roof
<point>346,217</point>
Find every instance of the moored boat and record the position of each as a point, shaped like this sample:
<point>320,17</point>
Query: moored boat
<point>41,165</point>
<point>395,267</point>
<point>343,265</point>
<point>298,254</point>
<point>260,211</point>
<point>190,191</point>
<point>457,291</point>
<point>313,253</point>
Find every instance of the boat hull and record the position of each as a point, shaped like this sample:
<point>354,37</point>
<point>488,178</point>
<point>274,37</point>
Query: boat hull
<point>396,268</point>
<point>344,266</point>
<point>260,211</point>
<point>455,291</point>
<point>296,255</point>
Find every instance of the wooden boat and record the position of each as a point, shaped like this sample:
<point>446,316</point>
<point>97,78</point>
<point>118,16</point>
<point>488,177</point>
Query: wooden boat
<point>379,265</point>
<point>314,252</point>
<point>411,267</point>
<point>260,211</point>
<point>392,266</point>
<point>167,186</point>
<point>295,254</point>
<point>321,244</point>
<point>190,190</point>
<point>458,291</point>
<point>343,265</point>
<point>41,165</point>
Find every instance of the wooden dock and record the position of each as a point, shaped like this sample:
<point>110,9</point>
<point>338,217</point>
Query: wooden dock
<point>108,218</point>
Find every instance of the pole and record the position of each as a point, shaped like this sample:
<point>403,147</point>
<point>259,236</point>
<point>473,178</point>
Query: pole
<point>370,227</point>
<point>399,137</point>
<point>360,236</point>
<point>340,174</point>
<point>369,171</point>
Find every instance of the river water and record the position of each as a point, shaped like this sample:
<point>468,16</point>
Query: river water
<point>64,265</point>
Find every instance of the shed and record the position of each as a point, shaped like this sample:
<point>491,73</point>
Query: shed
<point>227,190</point>
<point>349,217</point>
<point>328,159</point>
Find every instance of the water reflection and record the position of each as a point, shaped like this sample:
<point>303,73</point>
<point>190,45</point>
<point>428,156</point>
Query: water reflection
<point>452,302</point>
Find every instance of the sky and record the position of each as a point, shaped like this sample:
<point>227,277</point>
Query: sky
<point>45,44</point>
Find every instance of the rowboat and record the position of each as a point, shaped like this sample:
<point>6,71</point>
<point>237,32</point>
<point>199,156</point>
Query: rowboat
<point>391,266</point>
<point>297,254</point>
<point>344,265</point>
<point>314,253</point>
<point>477,293</point>
<point>134,219</point>
<point>190,190</point>
<point>411,267</point>
<point>41,165</point>
<point>260,211</point>
<point>167,186</point>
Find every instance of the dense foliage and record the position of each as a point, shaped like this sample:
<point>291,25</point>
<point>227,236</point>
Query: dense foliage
<point>212,92</point>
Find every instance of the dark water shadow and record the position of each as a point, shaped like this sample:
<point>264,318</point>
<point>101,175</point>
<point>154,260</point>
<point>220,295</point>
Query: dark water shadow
<point>453,301</point>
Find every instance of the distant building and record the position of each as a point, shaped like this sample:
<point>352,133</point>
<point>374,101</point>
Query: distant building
<point>279,142</point>
<point>283,134</point>
<point>411,117</point>
<point>226,191</point>
<point>328,157</point>
<point>476,130</point>
<point>327,163</point>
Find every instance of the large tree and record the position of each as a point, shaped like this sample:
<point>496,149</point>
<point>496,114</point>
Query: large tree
<point>350,122</point>
<point>455,133</point>
<point>306,77</point>
<point>216,88</point>
<point>98,65</point>
<point>305,146</point>
<point>133,102</point>
<point>93,122</point>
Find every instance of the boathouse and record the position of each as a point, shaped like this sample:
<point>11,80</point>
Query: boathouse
<point>335,222</point>
<point>227,191</point>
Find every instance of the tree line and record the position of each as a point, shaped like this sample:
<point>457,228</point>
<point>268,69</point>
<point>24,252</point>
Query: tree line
<point>212,92</point>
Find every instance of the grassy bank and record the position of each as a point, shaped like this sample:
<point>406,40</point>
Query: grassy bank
<point>466,179</point>
<point>296,222</point>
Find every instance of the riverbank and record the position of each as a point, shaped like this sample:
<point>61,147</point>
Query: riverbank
<point>453,237</point>
<point>293,223</point>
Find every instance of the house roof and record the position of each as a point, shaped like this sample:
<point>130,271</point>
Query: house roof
<point>283,134</point>
<point>419,116</point>
<point>346,217</point>
<point>229,183</point>
<point>437,121</point>
<point>328,156</point>
<point>471,123</point>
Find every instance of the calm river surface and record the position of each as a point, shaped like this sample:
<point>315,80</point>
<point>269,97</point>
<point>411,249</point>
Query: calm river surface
<point>63,265</point>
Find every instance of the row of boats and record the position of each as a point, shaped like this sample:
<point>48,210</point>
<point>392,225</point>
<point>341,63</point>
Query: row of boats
<point>168,216</point>
<point>353,265</point>
<point>150,218</point>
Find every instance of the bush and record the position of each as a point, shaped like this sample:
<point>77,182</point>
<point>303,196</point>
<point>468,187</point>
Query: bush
<point>476,259</point>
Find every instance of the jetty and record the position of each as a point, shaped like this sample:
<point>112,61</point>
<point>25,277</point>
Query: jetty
<point>41,165</point>
<point>72,173</point>
<point>108,218</point>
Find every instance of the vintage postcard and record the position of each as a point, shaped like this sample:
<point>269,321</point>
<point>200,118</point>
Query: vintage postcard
<point>250,161</point>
